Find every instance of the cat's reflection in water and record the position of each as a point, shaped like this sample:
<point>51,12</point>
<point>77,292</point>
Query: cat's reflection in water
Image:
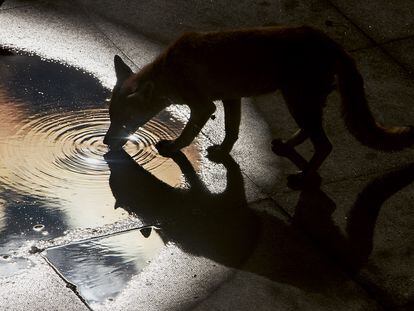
<point>217,226</point>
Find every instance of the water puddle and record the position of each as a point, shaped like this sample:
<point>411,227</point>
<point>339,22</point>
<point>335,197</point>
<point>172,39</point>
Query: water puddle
<point>101,268</point>
<point>68,151</point>
<point>53,176</point>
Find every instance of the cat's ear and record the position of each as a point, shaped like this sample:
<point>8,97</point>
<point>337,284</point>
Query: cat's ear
<point>122,70</point>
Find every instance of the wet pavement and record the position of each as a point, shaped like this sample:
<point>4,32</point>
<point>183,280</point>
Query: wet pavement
<point>53,175</point>
<point>83,228</point>
<point>101,268</point>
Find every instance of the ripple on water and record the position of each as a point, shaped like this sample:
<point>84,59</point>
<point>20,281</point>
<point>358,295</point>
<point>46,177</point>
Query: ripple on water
<point>38,227</point>
<point>62,149</point>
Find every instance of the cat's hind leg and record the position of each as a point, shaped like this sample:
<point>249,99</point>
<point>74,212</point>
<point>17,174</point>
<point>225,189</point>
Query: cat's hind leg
<point>306,109</point>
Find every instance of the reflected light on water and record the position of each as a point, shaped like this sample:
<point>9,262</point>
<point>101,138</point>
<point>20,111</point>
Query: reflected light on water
<point>133,138</point>
<point>60,156</point>
<point>2,213</point>
<point>51,148</point>
<point>93,162</point>
<point>102,268</point>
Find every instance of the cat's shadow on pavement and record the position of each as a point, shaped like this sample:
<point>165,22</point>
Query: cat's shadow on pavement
<point>222,226</point>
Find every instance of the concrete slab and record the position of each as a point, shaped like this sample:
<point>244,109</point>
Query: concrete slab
<point>11,4</point>
<point>252,292</point>
<point>136,48</point>
<point>163,21</point>
<point>38,288</point>
<point>61,34</point>
<point>100,268</point>
<point>216,270</point>
<point>403,51</point>
<point>381,20</point>
<point>366,225</point>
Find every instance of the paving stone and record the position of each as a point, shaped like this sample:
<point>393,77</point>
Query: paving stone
<point>59,33</point>
<point>138,49</point>
<point>11,4</point>
<point>381,20</point>
<point>403,51</point>
<point>161,20</point>
<point>38,288</point>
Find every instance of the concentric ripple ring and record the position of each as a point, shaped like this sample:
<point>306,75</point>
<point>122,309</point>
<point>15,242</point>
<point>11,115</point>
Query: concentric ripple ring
<point>65,148</point>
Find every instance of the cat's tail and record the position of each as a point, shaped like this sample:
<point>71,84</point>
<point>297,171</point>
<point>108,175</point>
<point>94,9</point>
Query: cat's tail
<point>357,115</point>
